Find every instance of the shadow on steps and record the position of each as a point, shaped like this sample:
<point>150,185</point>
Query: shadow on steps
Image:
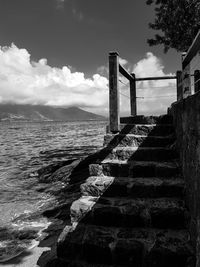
<point>130,220</point>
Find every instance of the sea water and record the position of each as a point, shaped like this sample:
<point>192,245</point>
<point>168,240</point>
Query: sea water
<point>26,147</point>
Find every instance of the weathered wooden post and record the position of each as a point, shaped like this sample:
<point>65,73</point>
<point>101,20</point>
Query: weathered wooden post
<point>179,85</point>
<point>186,81</point>
<point>196,81</point>
<point>133,95</point>
<point>114,91</point>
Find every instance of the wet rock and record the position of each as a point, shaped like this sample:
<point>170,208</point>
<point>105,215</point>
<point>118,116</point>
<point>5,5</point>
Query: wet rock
<point>46,172</point>
<point>64,172</point>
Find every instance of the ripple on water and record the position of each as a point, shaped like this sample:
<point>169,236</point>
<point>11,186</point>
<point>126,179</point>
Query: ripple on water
<point>21,236</point>
<point>21,204</point>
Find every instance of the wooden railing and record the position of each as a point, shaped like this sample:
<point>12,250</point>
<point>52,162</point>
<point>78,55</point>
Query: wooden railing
<point>115,68</point>
<point>190,76</point>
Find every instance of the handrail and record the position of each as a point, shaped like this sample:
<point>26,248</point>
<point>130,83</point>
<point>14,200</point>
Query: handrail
<point>192,51</point>
<point>114,69</point>
<point>155,78</point>
<point>114,108</point>
<point>187,72</point>
<point>125,73</point>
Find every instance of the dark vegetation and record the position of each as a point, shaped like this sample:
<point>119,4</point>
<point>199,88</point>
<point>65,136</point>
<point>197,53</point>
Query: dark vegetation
<point>177,23</point>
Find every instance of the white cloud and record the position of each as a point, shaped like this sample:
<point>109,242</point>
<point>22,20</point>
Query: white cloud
<point>123,61</point>
<point>154,97</point>
<point>103,70</point>
<point>23,81</point>
<point>26,82</point>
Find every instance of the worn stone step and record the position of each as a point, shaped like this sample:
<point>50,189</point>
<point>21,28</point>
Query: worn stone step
<point>160,213</point>
<point>133,187</point>
<point>124,168</point>
<point>142,153</point>
<point>141,119</point>
<point>146,129</point>
<point>145,187</point>
<point>109,246</point>
<point>58,262</point>
<point>123,140</point>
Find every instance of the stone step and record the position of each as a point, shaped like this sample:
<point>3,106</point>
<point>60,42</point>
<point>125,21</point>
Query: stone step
<point>141,153</point>
<point>94,246</point>
<point>119,168</point>
<point>134,187</point>
<point>140,119</point>
<point>162,213</point>
<point>132,140</point>
<point>146,129</point>
<point>57,262</point>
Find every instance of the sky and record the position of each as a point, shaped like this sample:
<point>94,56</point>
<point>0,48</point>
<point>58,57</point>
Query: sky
<point>55,52</point>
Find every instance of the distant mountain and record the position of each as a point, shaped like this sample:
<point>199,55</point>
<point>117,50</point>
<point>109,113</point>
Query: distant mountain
<point>14,112</point>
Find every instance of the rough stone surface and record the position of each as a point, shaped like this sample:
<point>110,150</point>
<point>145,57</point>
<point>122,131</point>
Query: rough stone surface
<point>114,246</point>
<point>131,211</point>
<point>96,185</point>
<point>186,118</point>
<point>146,129</point>
<point>145,187</point>
<point>119,168</point>
<point>159,213</point>
<point>141,119</point>
<point>124,140</point>
<point>142,153</point>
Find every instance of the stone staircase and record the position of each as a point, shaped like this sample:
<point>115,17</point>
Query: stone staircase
<point>132,210</point>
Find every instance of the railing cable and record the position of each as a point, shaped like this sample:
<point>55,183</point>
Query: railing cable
<point>154,97</point>
<point>157,87</point>
<point>123,82</point>
<point>195,82</point>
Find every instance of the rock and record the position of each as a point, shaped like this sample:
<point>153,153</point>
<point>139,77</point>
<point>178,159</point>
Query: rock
<point>96,186</point>
<point>81,207</point>
<point>45,173</point>
<point>63,173</point>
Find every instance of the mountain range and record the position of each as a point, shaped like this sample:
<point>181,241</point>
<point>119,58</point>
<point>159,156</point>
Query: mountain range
<point>15,112</point>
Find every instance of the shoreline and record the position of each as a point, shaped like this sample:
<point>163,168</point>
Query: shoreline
<point>41,252</point>
<point>37,255</point>
<point>44,252</point>
<point>27,258</point>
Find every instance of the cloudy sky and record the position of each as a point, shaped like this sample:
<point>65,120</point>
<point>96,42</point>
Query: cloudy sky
<point>55,52</point>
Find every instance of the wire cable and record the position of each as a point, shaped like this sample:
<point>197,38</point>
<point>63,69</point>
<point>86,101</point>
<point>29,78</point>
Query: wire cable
<point>124,95</point>
<point>157,87</point>
<point>154,97</point>
<point>123,82</point>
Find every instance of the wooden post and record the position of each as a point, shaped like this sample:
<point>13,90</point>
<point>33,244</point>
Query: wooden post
<point>186,81</point>
<point>196,81</point>
<point>179,85</point>
<point>114,91</point>
<point>133,96</point>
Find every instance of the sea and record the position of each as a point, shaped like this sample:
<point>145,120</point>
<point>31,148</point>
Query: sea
<point>25,148</point>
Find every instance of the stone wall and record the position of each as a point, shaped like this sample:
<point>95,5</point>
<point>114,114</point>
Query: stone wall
<point>186,118</point>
